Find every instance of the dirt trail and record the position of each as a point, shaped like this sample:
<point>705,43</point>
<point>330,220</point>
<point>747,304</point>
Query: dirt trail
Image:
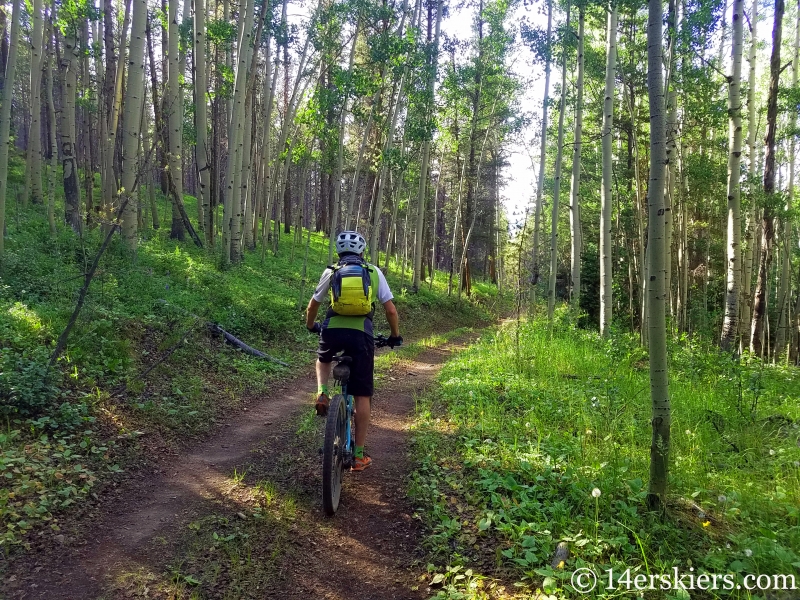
<point>367,551</point>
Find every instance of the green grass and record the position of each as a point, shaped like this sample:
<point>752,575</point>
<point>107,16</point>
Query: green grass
<point>525,425</point>
<point>85,420</point>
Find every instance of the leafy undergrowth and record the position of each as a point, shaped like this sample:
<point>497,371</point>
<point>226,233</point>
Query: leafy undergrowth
<point>142,373</point>
<point>533,439</point>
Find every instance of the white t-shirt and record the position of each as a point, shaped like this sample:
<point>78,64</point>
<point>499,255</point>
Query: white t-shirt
<point>384,293</point>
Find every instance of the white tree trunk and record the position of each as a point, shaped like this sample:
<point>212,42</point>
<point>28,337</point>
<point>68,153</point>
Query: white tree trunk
<point>132,120</point>
<point>746,294</point>
<point>426,153</point>
<point>202,153</point>
<point>551,293</point>
<point>576,234</point>
<point>656,306</point>
<point>232,211</point>
<point>537,209</point>
<point>606,249</point>
<point>730,327</point>
<point>33,181</point>
<point>783,301</point>
<point>5,115</point>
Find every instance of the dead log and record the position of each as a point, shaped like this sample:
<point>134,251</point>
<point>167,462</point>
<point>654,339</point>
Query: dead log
<point>234,341</point>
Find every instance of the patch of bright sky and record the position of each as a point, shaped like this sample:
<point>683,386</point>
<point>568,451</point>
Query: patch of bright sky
<point>519,177</point>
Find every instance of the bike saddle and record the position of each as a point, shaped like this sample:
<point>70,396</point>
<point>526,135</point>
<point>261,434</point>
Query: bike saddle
<point>341,372</point>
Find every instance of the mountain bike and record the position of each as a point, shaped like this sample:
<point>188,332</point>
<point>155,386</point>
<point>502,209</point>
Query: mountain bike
<point>339,446</point>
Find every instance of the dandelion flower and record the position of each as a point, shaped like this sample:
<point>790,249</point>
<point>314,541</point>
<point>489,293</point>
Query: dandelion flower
<point>528,425</point>
<point>728,545</point>
<point>588,432</point>
<point>771,452</point>
<point>706,523</point>
<point>596,493</point>
<point>748,553</point>
<point>688,432</point>
<point>797,464</point>
<point>722,499</point>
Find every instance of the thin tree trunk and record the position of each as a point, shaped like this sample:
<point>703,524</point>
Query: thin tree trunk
<point>132,121</point>
<point>765,258</point>
<point>202,154</point>
<point>783,299</point>
<point>606,273</point>
<point>537,210</point>
<point>5,118</point>
<point>576,235</point>
<point>730,326</point>
<point>72,190</point>
<point>551,293</point>
<point>746,297</point>
<point>51,111</point>
<point>656,306</point>
<point>337,185</point>
<point>109,152</point>
<point>33,182</point>
<point>426,152</point>
<point>174,108</point>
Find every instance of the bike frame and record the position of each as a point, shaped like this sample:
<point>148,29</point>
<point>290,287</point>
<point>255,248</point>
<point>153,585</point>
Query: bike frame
<point>348,438</point>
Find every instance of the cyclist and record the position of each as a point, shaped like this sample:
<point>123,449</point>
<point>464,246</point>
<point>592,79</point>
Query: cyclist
<point>353,286</point>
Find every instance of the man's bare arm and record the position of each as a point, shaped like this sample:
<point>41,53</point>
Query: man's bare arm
<point>392,318</point>
<point>311,313</point>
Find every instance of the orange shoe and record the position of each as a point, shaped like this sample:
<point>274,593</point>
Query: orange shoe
<point>322,404</point>
<point>359,464</point>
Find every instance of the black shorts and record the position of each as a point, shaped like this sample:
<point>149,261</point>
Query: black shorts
<point>357,345</point>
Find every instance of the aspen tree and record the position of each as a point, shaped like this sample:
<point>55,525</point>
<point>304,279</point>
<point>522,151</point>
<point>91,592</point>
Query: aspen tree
<point>202,154</point>
<point>5,116</point>
<point>72,190</point>
<point>783,301</point>
<point>51,111</point>
<point>33,171</point>
<point>746,296</point>
<point>337,188</point>
<point>537,210</point>
<point>232,209</point>
<point>730,326</point>
<point>109,179</point>
<point>656,305</point>
<point>132,120</point>
<point>606,273</point>
<point>551,288</point>
<point>426,152</point>
<point>576,235</point>
<point>765,254</point>
<point>174,108</point>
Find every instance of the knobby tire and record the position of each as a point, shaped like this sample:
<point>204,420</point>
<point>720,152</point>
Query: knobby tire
<point>333,455</point>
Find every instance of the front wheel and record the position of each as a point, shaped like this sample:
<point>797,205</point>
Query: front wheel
<point>333,455</point>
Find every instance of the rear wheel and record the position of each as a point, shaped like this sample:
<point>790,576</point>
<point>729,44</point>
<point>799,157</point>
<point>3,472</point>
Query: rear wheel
<point>333,455</point>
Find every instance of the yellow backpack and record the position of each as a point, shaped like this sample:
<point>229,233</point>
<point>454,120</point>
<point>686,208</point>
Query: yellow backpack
<point>352,290</point>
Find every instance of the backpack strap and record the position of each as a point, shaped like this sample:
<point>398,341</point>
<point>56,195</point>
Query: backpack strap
<point>336,281</point>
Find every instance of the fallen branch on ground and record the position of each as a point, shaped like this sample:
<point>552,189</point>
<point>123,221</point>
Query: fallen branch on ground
<point>234,341</point>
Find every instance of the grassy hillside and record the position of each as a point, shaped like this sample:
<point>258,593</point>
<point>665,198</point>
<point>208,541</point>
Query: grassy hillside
<point>142,370</point>
<point>534,438</point>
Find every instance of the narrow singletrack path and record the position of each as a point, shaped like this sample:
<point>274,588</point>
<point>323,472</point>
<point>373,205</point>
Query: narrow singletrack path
<point>369,550</point>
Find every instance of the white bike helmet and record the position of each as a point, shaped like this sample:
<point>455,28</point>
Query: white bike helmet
<point>350,241</point>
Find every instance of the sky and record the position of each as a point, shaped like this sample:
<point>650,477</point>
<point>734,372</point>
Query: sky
<point>519,186</point>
